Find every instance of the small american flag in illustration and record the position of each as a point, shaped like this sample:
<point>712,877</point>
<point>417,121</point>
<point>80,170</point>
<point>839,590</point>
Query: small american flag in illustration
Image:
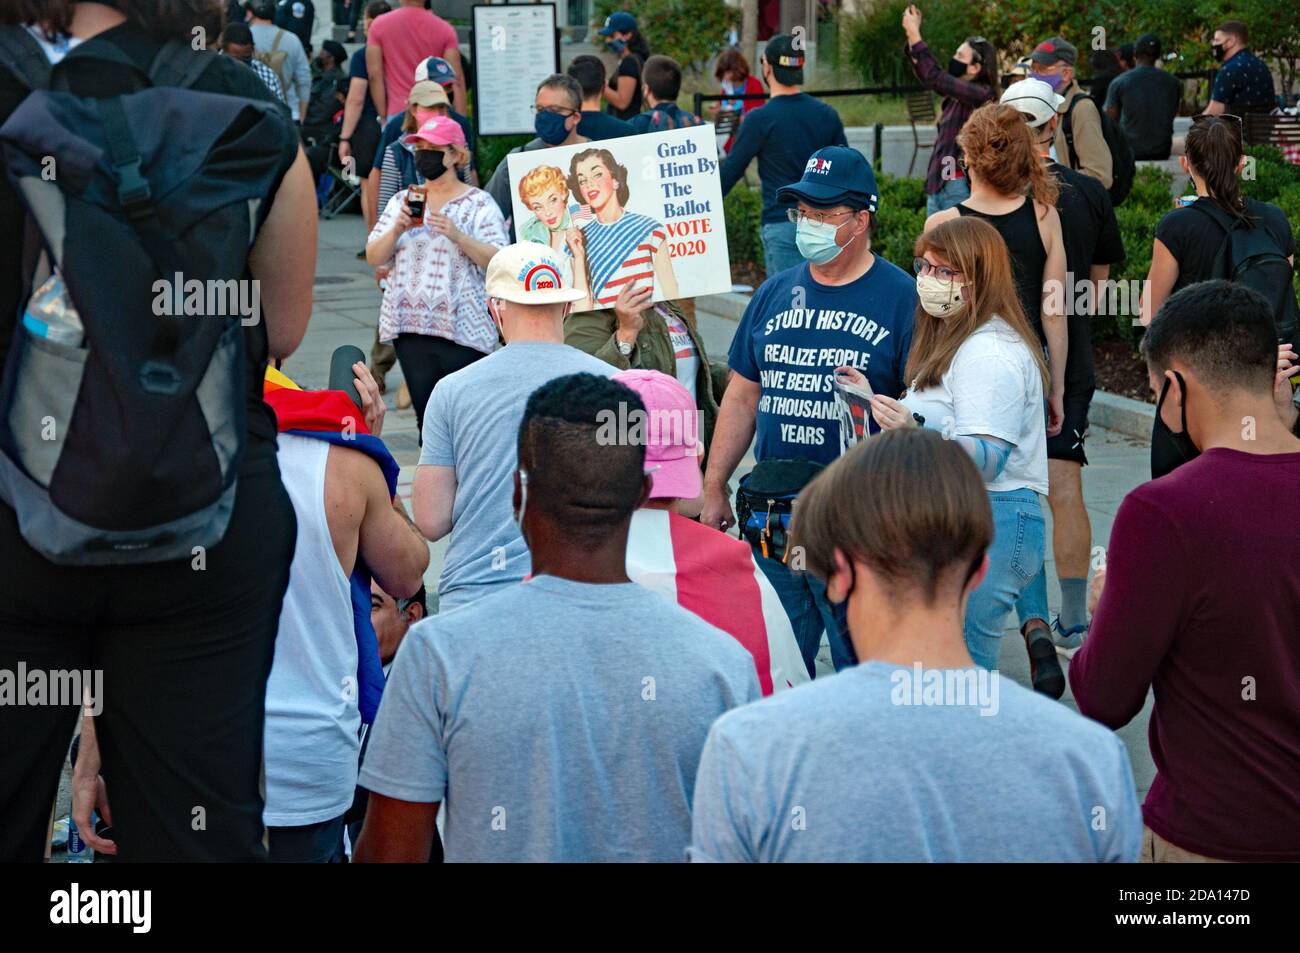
<point>582,215</point>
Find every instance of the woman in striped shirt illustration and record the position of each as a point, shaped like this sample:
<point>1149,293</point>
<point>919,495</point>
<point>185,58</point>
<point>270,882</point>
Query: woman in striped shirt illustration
<point>615,247</point>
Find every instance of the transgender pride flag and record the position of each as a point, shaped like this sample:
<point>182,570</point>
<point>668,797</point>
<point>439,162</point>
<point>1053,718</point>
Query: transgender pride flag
<point>715,577</point>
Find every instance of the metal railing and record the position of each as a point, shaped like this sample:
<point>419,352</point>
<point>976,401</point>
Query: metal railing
<point>701,98</point>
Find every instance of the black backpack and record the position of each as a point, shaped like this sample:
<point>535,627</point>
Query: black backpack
<point>122,404</point>
<point>1123,167</point>
<point>1250,256</point>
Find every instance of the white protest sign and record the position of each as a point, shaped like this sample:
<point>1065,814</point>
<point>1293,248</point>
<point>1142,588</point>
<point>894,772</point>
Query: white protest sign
<point>638,210</point>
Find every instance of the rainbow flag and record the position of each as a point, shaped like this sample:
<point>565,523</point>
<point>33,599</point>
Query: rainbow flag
<point>330,415</point>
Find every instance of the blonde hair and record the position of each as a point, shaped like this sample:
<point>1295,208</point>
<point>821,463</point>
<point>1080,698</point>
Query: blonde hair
<point>540,180</point>
<point>973,247</point>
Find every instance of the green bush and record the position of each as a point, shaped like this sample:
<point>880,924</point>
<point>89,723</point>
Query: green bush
<point>743,211</point>
<point>900,217</point>
<point>871,43</point>
<point>490,150</point>
<point>690,31</point>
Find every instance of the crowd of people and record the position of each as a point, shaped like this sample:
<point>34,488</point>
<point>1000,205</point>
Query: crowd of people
<point>604,673</point>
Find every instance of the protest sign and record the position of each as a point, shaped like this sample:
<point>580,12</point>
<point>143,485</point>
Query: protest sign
<point>638,210</point>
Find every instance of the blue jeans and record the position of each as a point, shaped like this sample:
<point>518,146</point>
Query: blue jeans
<point>1015,558</point>
<point>952,192</point>
<point>803,596</point>
<point>779,249</point>
<point>1033,601</point>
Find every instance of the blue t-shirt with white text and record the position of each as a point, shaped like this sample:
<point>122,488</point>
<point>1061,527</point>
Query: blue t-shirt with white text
<point>794,334</point>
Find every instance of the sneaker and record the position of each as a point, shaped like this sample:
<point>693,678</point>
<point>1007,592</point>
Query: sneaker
<point>1044,668</point>
<point>1068,641</point>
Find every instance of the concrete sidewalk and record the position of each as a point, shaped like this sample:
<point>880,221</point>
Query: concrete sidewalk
<point>345,311</point>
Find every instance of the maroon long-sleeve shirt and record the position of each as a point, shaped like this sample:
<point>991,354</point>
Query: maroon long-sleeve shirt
<point>1202,603</point>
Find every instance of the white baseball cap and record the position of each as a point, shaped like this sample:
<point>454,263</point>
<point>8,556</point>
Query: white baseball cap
<point>529,273</point>
<point>1034,98</point>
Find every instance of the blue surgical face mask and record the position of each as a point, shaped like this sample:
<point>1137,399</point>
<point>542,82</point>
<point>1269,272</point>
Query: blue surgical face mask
<point>816,241</point>
<point>618,46</point>
<point>1053,80</point>
<point>550,127</point>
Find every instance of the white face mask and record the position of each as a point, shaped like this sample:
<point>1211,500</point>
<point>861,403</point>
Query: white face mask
<point>942,299</point>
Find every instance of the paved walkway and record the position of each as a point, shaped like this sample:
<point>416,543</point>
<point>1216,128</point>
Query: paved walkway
<point>345,310</point>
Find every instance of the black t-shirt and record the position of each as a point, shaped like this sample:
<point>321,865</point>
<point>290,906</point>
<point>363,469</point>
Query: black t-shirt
<point>1091,236</point>
<point>629,65</point>
<point>1194,240</point>
<point>1147,99</point>
<point>91,76</point>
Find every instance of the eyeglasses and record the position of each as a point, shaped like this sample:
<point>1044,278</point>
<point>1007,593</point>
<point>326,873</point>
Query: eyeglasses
<point>556,110</point>
<point>923,267</point>
<point>821,218</point>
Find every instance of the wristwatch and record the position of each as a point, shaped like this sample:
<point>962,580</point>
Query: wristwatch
<point>623,347</point>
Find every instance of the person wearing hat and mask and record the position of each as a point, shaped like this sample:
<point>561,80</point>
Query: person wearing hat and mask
<point>844,306</point>
<point>1144,101</point>
<point>431,72</point>
<point>433,309</point>
<point>1054,63</point>
<point>970,80</point>
<point>704,571</point>
<point>1093,243</point>
<point>462,483</point>
<point>560,719</point>
<point>782,134</point>
<point>623,92</point>
<point>396,167</point>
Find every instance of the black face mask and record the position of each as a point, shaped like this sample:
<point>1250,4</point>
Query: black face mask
<point>1171,450</point>
<point>428,162</point>
<point>956,68</point>
<point>1217,50</point>
<point>843,607</point>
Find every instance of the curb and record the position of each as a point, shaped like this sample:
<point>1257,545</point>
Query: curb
<point>1112,412</point>
<point>1124,415</point>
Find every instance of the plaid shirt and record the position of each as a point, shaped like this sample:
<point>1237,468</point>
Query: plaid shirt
<point>960,98</point>
<point>268,77</point>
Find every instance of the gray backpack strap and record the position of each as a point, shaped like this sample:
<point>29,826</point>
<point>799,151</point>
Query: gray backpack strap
<point>179,64</point>
<point>23,56</point>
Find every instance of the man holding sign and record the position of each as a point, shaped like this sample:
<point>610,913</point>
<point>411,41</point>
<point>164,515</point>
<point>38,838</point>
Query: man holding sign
<point>843,307</point>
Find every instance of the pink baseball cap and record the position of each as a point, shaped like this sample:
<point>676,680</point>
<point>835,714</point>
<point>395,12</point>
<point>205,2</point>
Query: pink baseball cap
<point>438,131</point>
<point>673,441</point>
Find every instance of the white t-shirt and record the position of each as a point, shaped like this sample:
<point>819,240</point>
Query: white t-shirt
<point>56,49</point>
<point>993,387</point>
<point>688,359</point>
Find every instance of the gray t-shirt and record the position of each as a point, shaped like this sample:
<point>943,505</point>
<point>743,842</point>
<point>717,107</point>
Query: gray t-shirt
<point>1147,99</point>
<point>472,424</point>
<point>557,721</point>
<point>861,767</point>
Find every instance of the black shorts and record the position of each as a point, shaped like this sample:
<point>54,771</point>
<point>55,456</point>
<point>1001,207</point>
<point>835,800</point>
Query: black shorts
<point>1068,444</point>
<point>365,143</point>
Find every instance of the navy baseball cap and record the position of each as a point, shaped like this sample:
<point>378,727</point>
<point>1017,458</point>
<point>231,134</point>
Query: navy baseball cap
<point>435,70</point>
<point>620,22</point>
<point>835,175</point>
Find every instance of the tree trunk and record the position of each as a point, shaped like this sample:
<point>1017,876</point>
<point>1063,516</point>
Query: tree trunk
<point>749,33</point>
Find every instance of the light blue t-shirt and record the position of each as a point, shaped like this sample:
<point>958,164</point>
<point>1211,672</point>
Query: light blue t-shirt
<point>557,721</point>
<point>472,424</point>
<point>861,767</point>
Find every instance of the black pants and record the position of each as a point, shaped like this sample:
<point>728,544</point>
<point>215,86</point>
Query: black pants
<point>185,652</point>
<point>319,843</point>
<point>425,360</point>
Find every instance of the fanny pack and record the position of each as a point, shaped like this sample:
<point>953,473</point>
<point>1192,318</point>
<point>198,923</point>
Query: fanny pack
<point>765,502</point>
